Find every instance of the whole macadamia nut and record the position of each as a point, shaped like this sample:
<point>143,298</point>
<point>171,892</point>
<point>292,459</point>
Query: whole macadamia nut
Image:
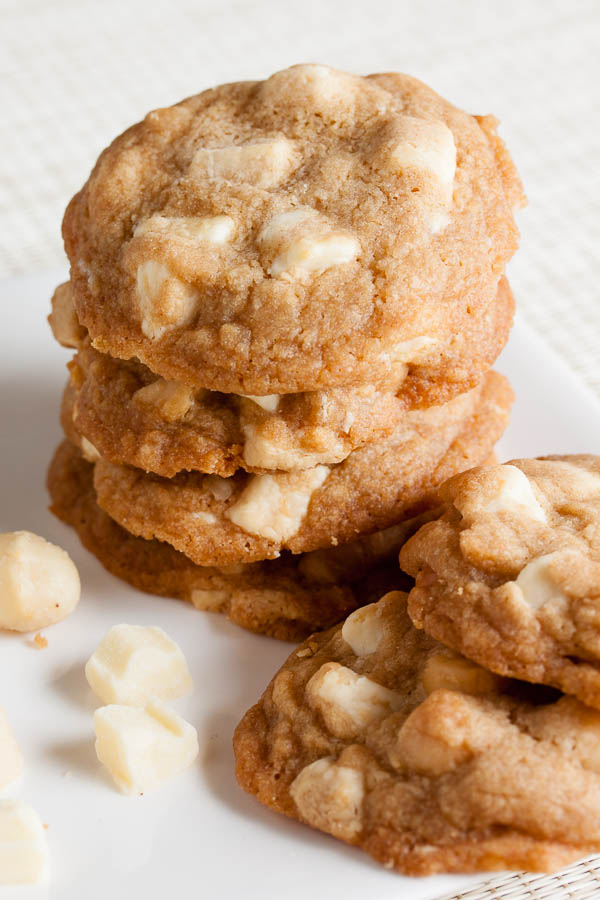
<point>39,583</point>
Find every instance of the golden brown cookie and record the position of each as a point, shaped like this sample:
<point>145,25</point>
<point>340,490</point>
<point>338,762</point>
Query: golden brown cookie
<point>135,417</point>
<point>509,575</point>
<point>378,735</point>
<point>219,521</point>
<point>285,598</point>
<point>316,229</point>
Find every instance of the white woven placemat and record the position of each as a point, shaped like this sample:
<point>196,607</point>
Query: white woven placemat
<point>75,73</point>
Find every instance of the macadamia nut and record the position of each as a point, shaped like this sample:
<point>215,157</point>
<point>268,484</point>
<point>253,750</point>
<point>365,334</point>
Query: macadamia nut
<point>39,583</point>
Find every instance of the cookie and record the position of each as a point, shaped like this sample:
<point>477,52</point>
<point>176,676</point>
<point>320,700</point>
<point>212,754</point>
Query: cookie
<point>285,598</point>
<point>509,575</point>
<point>220,521</point>
<point>313,230</point>
<point>137,418</point>
<point>378,735</point>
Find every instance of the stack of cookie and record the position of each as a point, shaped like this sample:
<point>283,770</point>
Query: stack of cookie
<point>285,298</point>
<point>478,753</point>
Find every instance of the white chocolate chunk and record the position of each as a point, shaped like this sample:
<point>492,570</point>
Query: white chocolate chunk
<point>514,494</point>
<point>316,255</point>
<point>165,301</point>
<point>311,87</point>
<point>537,583</point>
<point>63,318</point>
<point>39,583</point>
<point>427,145</point>
<point>212,229</point>
<point>330,797</point>
<point>11,759</point>
<point>262,163</point>
<point>273,506</point>
<point>204,516</point>
<point>88,450</point>
<point>363,629</point>
<point>171,399</point>
<point>413,350</point>
<point>142,748</point>
<point>209,600</point>
<point>348,702</point>
<point>23,850</point>
<point>268,402</point>
<point>280,226</point>
<point>134,663</point>
<point>263,453</point>
<point>217,487</point>
<point>446,670</point>
<point>305,243</point>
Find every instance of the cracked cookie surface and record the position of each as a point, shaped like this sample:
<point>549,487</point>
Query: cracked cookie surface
<point>313,230</point>
<point>509,575</point>
<point>378,735</point>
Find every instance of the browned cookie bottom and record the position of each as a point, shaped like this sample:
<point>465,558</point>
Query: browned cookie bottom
<point>286,598</point>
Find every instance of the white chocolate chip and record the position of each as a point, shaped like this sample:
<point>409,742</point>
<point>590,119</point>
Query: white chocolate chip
<point>141,748</point>
<point>88,451</point>
<point>262,453</point>
<point>363,629</point>
<point>349,703</point>
<point>514,494</point>
<point>165,301</point>
<point>212,229</point>
<point>134,663</point>
<point>23,849</point>
<point>273,506</point>
<point>280,226</point>
<point>63,318</point>
<point>305,243</point>
<point>39,583</point>
<point>330,797</point>
<point>209,600</point>
<point>217,487</point>
<point>348,422</point>
<point>262,163</point>
<point>268,402</point>
<point>537,583</point>
<point>202,515</point>
<point>171,399</point>
<point>413,350</point>
<point>449,671</point>
<point>11,759</point>
<point>316,255</point>
<point>427,145</point>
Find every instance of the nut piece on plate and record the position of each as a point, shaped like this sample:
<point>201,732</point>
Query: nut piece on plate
<point>39,583</point>
<point>134,663</point>
<point>11,760</point>
<point>23,851</point>
<point>141,748</point>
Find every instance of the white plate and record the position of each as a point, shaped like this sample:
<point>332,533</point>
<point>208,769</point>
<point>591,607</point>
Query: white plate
<point>200,835</point>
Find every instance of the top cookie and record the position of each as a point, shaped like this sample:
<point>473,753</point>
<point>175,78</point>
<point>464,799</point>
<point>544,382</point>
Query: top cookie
<point>510,573</point>
<point>312,230</point>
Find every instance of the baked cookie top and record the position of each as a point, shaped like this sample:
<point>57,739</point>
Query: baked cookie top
<point>222,521</point>
<point>378,735</point>
<point>314,229</point>
<point>510,573</point>
<point>286,598</point>
<point>135,417</point>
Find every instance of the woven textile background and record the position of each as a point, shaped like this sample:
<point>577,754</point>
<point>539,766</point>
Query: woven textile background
<point>74,73</point>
